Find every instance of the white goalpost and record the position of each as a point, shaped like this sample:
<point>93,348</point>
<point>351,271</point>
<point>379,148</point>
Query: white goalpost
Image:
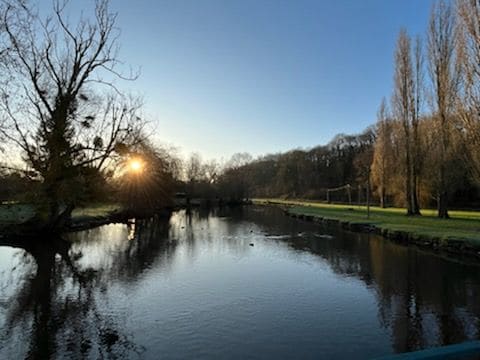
<point>344,188</point>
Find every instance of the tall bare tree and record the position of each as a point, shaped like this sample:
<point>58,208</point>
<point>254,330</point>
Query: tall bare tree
<point>469,58</point>
<point>194,169</point>
<point>382,155</point>
<point>403,106</point>
<point>444,75</point>
<point>417,102</point>
<point>49,77</point>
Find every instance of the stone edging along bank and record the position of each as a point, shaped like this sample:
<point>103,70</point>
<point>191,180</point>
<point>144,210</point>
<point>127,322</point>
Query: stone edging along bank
<point>451,246</point>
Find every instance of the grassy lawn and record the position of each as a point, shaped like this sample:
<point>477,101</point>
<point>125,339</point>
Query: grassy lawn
<point>95,210</point>
<point>463,225</point>
<point>12,213</point>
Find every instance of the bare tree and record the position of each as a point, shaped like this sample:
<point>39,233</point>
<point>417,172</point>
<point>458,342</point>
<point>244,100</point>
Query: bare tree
<point>239,159</point>
<point>468,106</point>
<point>403,104</point>
<point>417,102</point>
<point>444,75</point>
<point>212,170</point>
<point>382,155</point>
<point>49,77</point>
<point>194,169</point>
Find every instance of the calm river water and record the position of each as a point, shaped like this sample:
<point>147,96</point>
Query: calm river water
<point>194,287</point>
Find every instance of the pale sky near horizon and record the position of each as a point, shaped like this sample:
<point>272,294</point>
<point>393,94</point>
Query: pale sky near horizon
<point>262,76</point>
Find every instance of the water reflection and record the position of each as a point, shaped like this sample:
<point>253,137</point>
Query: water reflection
<point>425,300</point>
<point>57,307</point>
<point>193,287</point>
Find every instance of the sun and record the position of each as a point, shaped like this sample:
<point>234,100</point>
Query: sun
<point>135,165</point>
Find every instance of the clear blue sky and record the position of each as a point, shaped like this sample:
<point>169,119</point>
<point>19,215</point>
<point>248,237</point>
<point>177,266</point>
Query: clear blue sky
<point>262,76</point>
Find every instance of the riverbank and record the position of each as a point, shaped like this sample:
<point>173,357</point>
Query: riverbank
<point>20,219</point>
<point>460,234</point>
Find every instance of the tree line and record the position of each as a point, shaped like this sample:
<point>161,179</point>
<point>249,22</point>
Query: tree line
<point>427,135</point>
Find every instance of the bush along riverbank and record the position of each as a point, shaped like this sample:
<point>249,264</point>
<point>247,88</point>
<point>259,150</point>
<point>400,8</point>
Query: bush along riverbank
<point>459,235</point>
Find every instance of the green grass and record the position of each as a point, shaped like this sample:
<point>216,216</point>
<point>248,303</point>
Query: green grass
<point>463,225</point>
<point>95,210</point>
<point>16,213</point>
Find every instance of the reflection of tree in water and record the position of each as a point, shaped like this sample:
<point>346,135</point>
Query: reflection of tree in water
<point>424,300</point>
<point>59,305</point>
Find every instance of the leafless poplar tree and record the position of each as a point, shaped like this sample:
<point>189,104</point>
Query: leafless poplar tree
<point>417,101</point>
<point>444,75</point>
<point>382,155</point>
<point>469,58</point>
<point>404,107</point>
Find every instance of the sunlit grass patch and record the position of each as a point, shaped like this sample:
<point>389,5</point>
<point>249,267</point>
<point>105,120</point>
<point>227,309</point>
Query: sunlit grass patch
<point>95,210</point>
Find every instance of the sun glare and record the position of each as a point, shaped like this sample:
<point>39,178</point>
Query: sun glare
<point>135,165</point>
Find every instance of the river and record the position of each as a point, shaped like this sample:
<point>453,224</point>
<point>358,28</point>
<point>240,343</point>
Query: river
<point>234,284</point>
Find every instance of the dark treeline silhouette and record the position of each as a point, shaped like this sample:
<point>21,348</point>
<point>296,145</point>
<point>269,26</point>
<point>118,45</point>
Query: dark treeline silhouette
<point>306,173</point>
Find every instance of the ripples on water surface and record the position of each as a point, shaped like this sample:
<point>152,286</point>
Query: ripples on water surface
<point>193,287</point>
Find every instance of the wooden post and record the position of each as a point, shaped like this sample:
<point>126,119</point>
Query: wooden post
<point>368,195</point>
<point>359,194</point>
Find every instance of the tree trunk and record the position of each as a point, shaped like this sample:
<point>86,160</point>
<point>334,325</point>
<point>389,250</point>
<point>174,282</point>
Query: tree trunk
<point>443,205</point>
<point>383,204</point>
<point>368,196</point>
<point>59,218</point>
<point>415,205</point>
<point>408,183</point>
<point>415,169</point>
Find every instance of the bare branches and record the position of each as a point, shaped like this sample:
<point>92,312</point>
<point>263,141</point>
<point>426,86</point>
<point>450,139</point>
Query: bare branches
<point>443,67</point>
<point>52,71</point>
<point>406,108</point>
<point>53,64</point>
<point>468,103</point>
